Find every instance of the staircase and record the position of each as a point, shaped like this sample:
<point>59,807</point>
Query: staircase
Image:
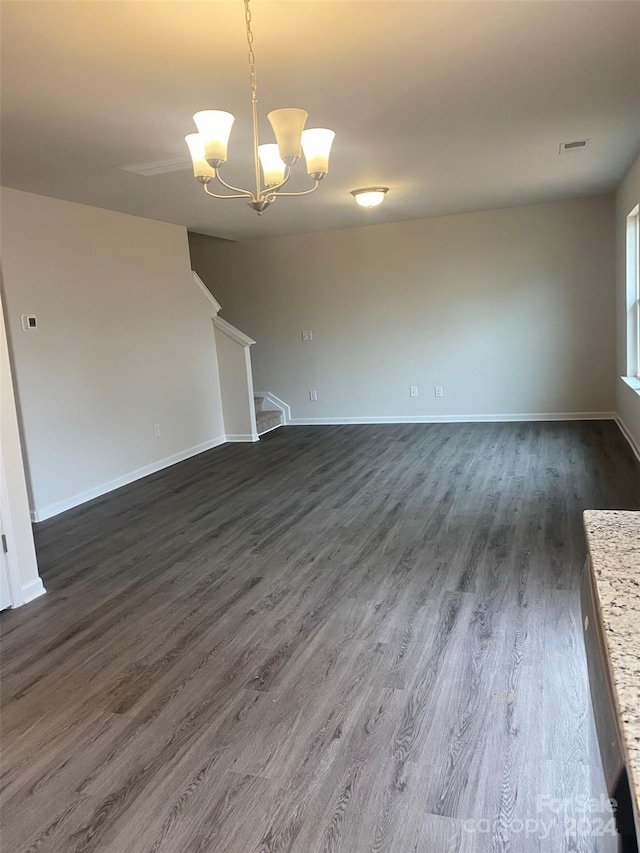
<point>266,420</point>
<point>236,381</point>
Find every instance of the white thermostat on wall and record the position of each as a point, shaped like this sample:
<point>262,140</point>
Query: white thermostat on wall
<point>29,322</point>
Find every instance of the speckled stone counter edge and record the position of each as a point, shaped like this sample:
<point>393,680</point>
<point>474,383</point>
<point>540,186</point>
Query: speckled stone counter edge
<point>613,539</point>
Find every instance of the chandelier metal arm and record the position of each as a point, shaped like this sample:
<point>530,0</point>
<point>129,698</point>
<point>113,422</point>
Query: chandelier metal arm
<point>302,192</point>
<point>243,194</point>
<point>262,195</point>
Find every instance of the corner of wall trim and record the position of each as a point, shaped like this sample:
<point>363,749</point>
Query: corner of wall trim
<point>630,439</point>
<point>32,590</point>
<point>243,437</point>
<point>69,503</point>
<point>206,292</point>
<point>231,331</point>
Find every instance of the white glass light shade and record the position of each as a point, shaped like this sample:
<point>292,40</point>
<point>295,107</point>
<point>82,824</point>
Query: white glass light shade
<point>201,169</point>
<point>288,125</point>
<point>316,144</point>
<point>214,126</point>
<point>370,196</point>
<point>273,168</point>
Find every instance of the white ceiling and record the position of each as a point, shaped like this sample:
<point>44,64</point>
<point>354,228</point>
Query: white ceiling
<point>455,106</point>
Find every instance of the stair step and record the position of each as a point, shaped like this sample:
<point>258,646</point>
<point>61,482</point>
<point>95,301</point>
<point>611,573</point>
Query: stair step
<point>267,420</point>
<point>257,402</point>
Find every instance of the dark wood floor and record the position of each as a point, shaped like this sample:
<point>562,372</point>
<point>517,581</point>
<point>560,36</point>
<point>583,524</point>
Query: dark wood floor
<point>357,638</point>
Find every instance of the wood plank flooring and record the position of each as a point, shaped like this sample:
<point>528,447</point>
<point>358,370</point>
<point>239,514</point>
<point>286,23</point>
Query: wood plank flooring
<point>353,638</point>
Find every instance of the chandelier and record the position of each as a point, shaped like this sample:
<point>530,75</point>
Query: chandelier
<point>208,147</point>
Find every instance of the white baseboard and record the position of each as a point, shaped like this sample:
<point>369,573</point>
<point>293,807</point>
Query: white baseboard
<point>625,432</point>
<point>32,590</point>
<point>455,419</point>
<point>271,429</point>
<point>249,436</point>
<point>62,506</point>
<point>36,589</point>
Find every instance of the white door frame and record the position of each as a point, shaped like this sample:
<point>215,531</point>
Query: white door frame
<point>15,588</point>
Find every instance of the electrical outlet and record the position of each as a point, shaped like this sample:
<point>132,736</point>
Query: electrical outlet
<point>438,391</point>
<point>413,391</point>
<point>307,335</point>
<point>313,395</point>
<point>156,430</point>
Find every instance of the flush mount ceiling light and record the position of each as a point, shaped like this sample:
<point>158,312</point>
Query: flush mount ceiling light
<point>208,147</point>
<point>370,196</point>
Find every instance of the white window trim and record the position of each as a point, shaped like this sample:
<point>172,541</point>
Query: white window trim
<point>632,273</point>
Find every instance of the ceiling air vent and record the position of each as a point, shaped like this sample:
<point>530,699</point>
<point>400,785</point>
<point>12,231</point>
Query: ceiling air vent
<point>576,145</point>
<point>159,167</point>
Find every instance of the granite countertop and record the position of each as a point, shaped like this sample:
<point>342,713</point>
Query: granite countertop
<point>613,538</point>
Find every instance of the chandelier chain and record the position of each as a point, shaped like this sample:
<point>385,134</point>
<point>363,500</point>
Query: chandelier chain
<point>252,58</point>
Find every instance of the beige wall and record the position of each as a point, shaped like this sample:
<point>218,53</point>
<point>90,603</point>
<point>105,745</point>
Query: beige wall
<point>14,504</point>
<point>124,341</point>
<point>511,311</point>
<point>627,197</point>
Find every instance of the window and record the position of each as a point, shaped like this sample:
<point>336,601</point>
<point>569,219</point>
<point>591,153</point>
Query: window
<point>633,297</point>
